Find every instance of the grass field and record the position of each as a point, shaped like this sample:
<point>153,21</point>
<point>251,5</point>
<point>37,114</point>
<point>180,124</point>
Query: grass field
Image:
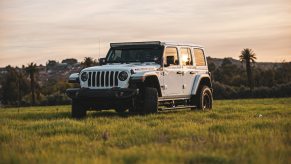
<point>236,131</point>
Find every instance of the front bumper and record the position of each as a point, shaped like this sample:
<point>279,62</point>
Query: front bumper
<point>114,93</point>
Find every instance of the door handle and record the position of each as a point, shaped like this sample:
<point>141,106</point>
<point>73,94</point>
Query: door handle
<point>192,72</point>
<point>180,72</point>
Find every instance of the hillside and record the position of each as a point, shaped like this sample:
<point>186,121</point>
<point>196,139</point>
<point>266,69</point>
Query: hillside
<point>261,65</point>
<point>237,131</point>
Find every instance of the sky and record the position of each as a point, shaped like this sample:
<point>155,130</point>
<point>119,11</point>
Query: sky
<point>42,30</point>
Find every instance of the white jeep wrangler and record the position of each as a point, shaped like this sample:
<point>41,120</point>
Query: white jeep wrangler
<point>144,77</point>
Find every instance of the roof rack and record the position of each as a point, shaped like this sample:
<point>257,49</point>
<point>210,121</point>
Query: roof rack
<point>135,43</point>
<point>156,43</point>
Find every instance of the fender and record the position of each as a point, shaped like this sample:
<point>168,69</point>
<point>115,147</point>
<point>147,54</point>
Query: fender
<point>197,81</point>
<point>142,79</point>
<point>141,76</point>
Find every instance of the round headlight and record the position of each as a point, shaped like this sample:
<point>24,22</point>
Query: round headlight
<point>122,76</point>
<point>84,76</point>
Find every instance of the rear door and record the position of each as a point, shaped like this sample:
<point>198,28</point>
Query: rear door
<point>188,69</point>
<point>200,62</point>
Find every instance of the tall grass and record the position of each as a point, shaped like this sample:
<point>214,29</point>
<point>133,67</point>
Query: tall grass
<point>236,131</point>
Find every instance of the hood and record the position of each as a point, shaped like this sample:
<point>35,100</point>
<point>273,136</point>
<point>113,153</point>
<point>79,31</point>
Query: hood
<point>136,67</point>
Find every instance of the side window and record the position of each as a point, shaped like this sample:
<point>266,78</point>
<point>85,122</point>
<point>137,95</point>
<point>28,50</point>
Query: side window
<point>186,56</point>
<point>171,56</point>
<point>199,57</point>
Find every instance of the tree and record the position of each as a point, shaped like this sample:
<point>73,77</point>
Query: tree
<point>212,68</point>
<point>228,73</point>
<point>31,70</point>
<point>88,62</point>
<point>249,57</point>
<point>13,86</point>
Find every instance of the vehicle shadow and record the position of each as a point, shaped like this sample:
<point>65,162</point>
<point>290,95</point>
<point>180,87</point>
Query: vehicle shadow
<point>111,114</point>
<point>92,114</point>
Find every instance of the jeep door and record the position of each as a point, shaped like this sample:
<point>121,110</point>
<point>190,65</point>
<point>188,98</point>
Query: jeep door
<point>172,73</point>
<point>189,73</point>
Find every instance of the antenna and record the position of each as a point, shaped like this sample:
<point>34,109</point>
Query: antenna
<point>99,49</point>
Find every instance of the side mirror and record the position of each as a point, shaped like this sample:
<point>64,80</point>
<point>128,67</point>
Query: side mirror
<point>74,78</point>
<point>169,60</point>
<point>102,61</point>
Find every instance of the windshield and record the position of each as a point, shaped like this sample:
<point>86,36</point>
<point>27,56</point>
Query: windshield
<point>126,55</point>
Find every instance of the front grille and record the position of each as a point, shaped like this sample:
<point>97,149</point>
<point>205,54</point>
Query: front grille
<point>103,79</point>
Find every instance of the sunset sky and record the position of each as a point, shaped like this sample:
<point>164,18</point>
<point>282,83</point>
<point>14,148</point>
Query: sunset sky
<point>41,30</point>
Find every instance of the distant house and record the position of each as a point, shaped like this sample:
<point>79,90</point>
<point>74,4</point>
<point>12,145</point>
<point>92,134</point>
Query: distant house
<point>53,66</point>
<point>3,71</point>
<point>70,61</point>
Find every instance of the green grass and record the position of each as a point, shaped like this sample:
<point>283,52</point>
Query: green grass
<point>234,132</point>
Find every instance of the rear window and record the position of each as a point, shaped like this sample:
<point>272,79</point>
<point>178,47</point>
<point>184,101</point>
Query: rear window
<point>186,56</point>
<point>199,57</point>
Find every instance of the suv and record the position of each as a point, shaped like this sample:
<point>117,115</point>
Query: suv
<point>144,77</point>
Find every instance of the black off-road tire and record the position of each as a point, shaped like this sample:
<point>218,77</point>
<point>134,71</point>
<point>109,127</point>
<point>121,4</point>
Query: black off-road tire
<point>78,109</point>
<point>150,97</point>
<point>204,98</point>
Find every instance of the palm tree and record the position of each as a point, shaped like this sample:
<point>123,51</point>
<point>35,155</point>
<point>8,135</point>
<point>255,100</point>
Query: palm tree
<point>31,69</point>
<point>88,62</point>
<point>249,57</point>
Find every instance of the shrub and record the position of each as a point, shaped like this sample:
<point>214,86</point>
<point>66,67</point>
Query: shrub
<point>222,91</point>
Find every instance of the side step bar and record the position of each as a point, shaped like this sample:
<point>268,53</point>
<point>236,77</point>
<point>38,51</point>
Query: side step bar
<point>177,107</point>
<point>172,99</point>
